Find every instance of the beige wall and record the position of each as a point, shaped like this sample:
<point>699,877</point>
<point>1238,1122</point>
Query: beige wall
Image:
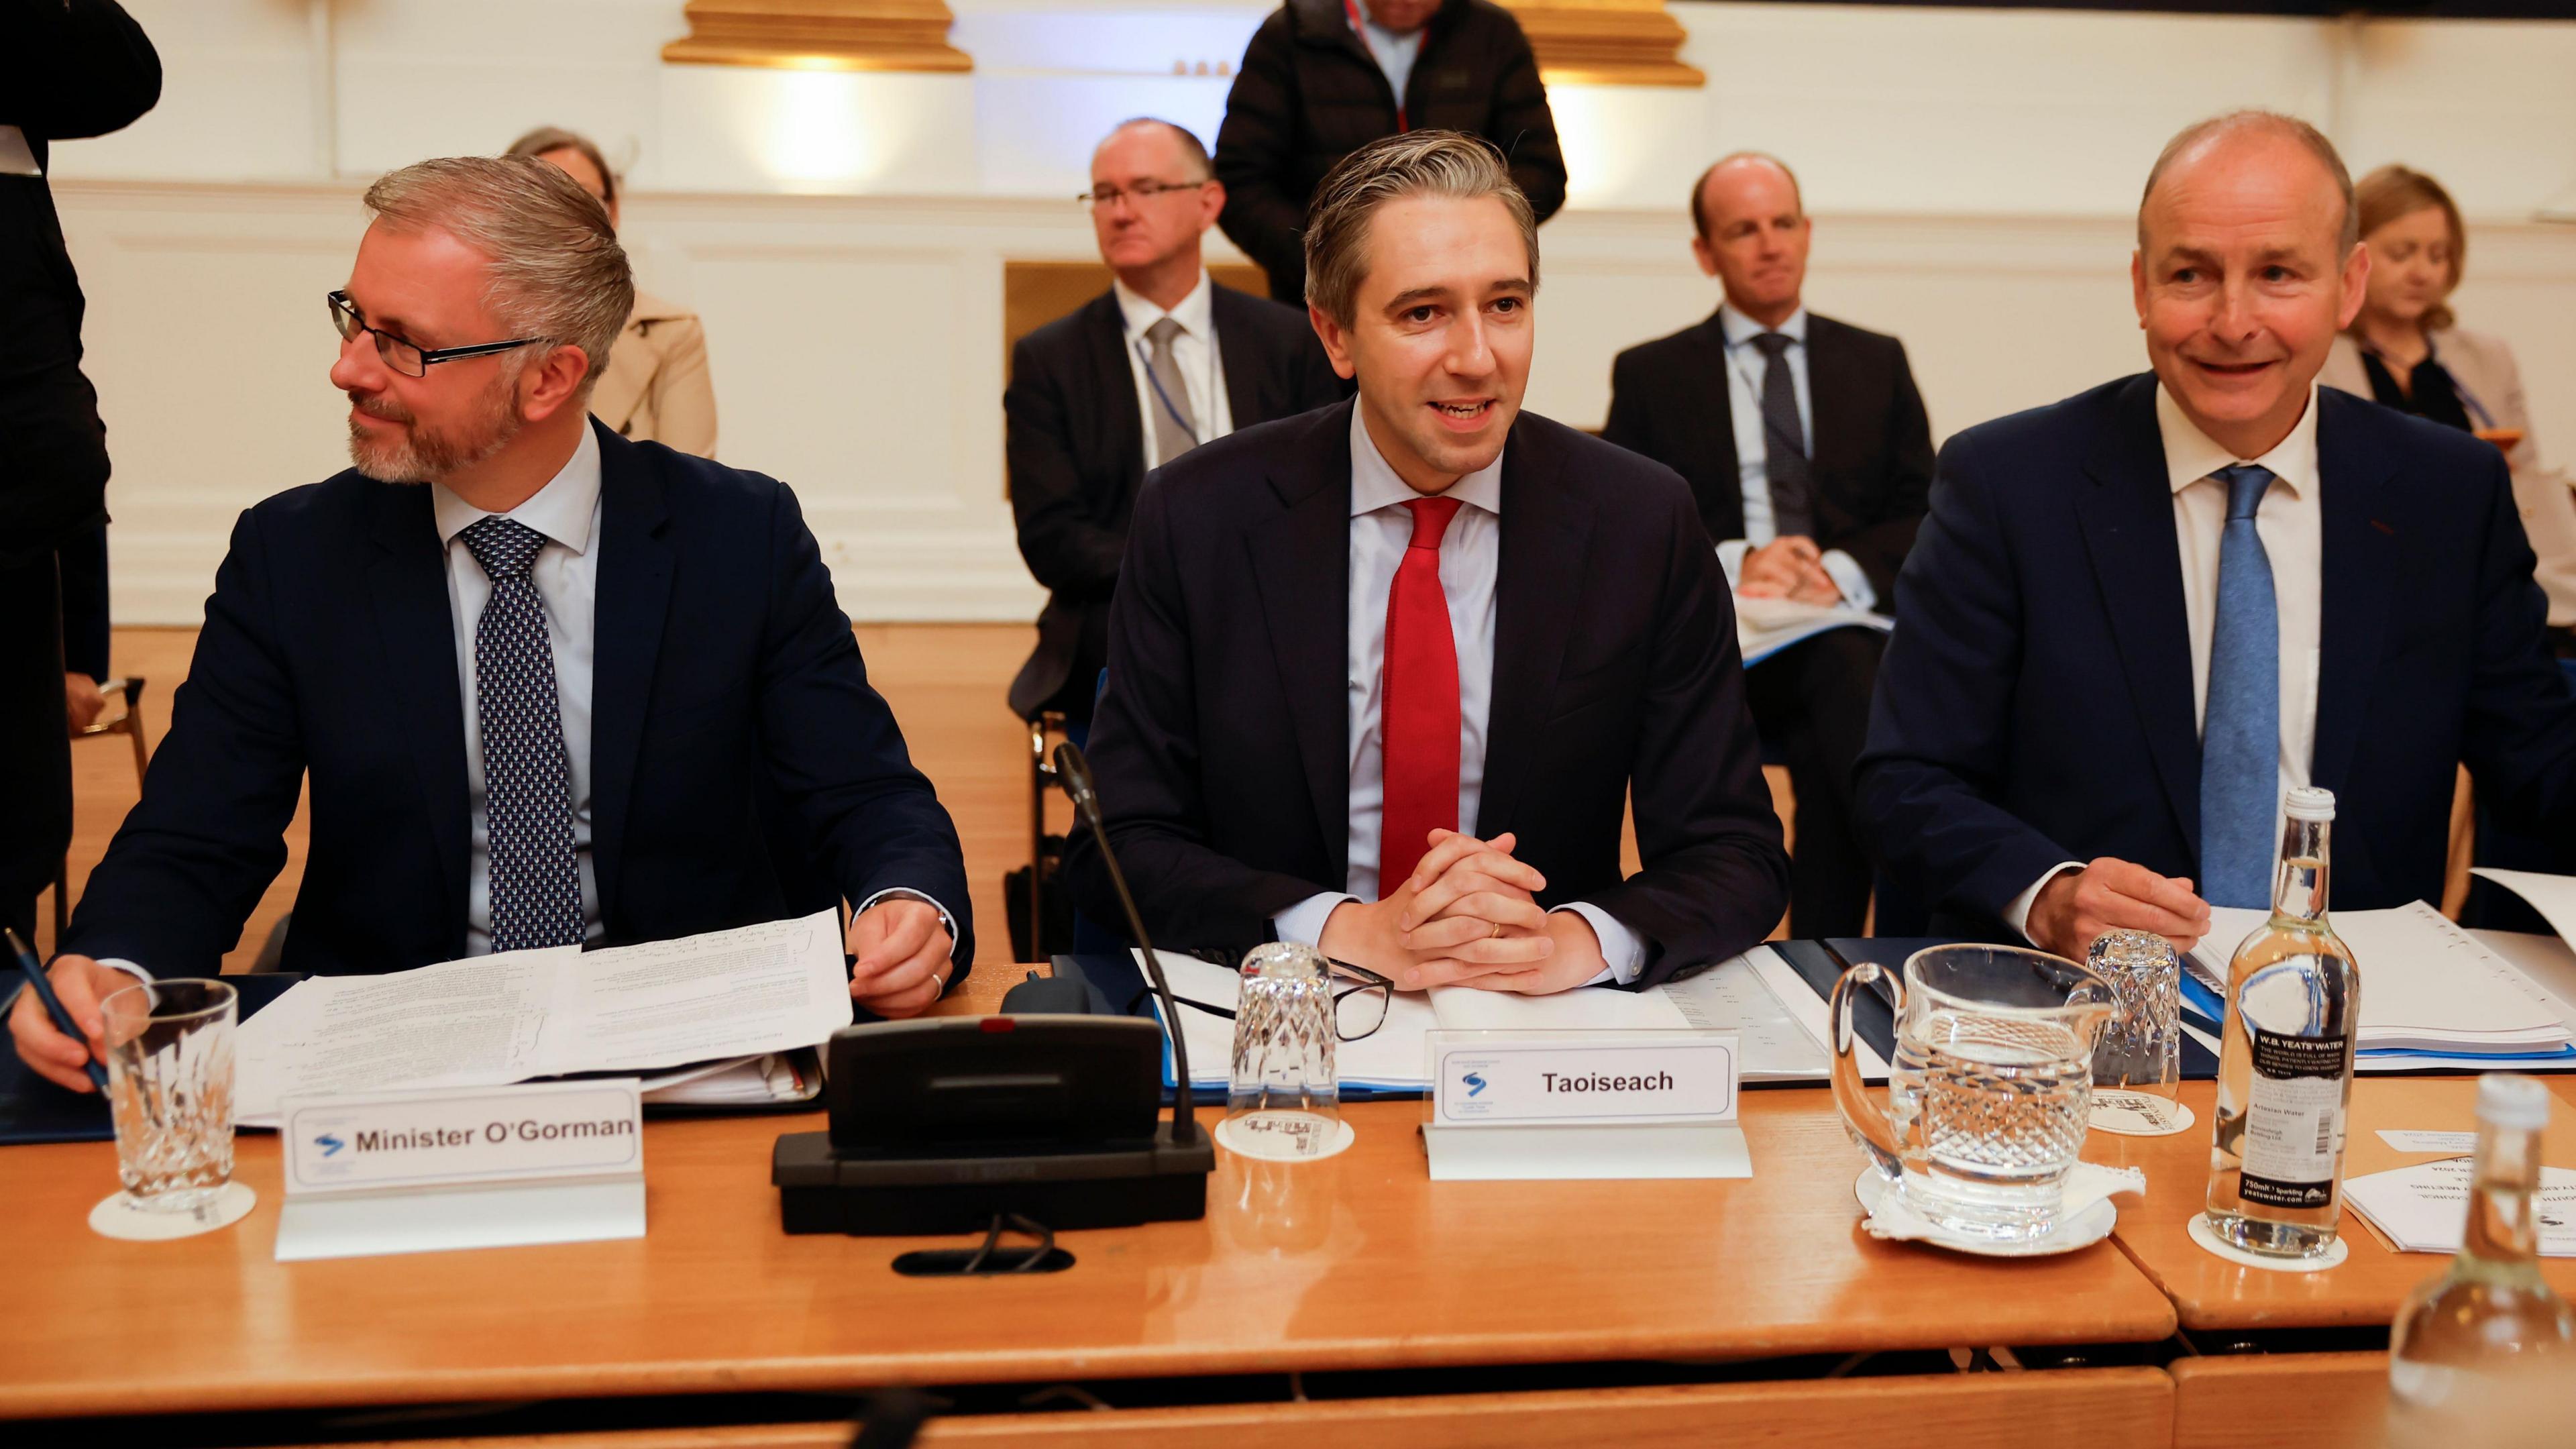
<point>1972,174</point>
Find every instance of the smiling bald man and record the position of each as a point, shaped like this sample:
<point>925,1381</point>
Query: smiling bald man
<point>2136,616</point>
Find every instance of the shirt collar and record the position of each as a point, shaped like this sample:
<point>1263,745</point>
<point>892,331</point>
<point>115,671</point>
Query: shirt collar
<point>1741,329</point>
<point>1375,483</point>
<point>2191,455</point>
<point>1195,312</point>
<point>561,510</point>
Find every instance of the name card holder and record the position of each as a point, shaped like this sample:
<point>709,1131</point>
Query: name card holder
<point>465,1167</point>
<point>1583,1105</point>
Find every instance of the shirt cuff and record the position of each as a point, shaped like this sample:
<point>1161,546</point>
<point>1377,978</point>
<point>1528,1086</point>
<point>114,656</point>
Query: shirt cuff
<point>1849,577</point>
<point>1730,557</point>
<point>1623,956</point>
<point>906,893</point>
<point>1303,922</point>
<point>2017,910</point>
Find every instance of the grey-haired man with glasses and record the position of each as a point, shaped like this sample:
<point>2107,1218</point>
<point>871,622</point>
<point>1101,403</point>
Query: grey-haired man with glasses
<point>542,686</point>
<point>1161,362</point>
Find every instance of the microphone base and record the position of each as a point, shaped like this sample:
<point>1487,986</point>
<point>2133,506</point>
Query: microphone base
<point>824,1190</point>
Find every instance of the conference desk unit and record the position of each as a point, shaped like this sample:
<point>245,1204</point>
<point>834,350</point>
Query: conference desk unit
<point>2224,1393</point>
<point>1351,1302</point>
<point>1357,1269</point>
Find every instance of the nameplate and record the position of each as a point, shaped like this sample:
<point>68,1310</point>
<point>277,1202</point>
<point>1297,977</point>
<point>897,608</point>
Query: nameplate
<point>470,1167</point>
<point>1486,1079</point>
<point>1601,1105</point>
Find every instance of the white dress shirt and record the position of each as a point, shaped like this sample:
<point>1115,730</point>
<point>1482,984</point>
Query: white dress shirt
<point>1194,352</point>
<point>2291,523</point>
<point>1747,371</point>
<point>1470,557</point>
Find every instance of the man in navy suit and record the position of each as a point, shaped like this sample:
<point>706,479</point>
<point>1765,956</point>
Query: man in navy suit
<point>1382,676</point>
<point>2136,616</point>
<point>541,680</point>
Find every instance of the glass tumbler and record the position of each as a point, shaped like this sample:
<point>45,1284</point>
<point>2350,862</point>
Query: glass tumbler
<point>1283,1098</point>
<point>170,1087</point>
<point>2140,1049</point>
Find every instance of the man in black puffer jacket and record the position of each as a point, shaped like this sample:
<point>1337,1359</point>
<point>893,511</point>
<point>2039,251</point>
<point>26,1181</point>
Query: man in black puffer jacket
<point>1323,78</point>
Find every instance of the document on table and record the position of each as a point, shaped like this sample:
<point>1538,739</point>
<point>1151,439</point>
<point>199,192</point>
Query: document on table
<point>2426,985</point>
<point>1731,996</point>
<point>487,1020</point>
<point>1764,627</point>
<point>2425,1208</point>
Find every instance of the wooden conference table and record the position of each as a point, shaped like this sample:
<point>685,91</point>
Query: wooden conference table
<point>1360,1263</point>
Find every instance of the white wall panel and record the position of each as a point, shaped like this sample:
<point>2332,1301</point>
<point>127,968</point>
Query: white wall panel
<point>844,235</point>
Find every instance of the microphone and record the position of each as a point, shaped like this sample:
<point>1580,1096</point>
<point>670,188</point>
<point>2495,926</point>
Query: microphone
<point>1075,772</point>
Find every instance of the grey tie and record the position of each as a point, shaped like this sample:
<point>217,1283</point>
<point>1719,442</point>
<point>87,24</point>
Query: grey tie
<point>1784,441</point>
<point>1176,428</point>
<point>527,797</point>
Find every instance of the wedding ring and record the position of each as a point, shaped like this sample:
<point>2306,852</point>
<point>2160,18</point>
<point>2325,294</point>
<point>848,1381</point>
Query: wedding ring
<point>1498,930</point>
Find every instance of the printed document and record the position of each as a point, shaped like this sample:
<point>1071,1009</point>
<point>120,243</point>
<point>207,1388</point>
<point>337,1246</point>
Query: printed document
<point>2425,1208</point>
<point>508,1017</point>
<point>1732,996</point>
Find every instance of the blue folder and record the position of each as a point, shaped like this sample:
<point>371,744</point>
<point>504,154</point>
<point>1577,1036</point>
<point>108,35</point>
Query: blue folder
<point>1819,963</point>
<point>1118,988</point>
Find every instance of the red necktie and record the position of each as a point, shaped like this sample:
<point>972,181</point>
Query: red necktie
<point>1419,722</point>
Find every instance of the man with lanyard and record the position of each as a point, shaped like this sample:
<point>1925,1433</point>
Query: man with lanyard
<point>1322,78</point>
<point>1161,362</point>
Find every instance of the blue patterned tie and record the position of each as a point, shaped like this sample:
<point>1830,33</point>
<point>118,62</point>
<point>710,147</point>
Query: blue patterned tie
<point>2240,744</point>
<point>527,798</point>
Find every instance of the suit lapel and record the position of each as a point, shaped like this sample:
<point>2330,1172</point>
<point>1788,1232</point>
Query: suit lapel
<point>2127,521</point>
<point>407,587</point>
<point>635,568</point>
<point>1106,331</point>
<point>1546,524</point>
<point>1716,425</point>
<point>1300,559</point>
<point>2359,565</point>
<point>1247,369</point>
<point>1829,385</point>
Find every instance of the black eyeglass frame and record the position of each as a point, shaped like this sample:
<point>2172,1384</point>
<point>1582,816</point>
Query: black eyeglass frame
<point>1092,198</point>
<point>348,321</point>
<point>1368,981</point>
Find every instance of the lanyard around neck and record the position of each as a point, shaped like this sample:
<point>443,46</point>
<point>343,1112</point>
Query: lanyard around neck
<point>1359,32</point>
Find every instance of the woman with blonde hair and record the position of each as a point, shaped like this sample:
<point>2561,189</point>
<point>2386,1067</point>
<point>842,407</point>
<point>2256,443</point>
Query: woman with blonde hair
<point>2407,351</point>
<point>656,386</point>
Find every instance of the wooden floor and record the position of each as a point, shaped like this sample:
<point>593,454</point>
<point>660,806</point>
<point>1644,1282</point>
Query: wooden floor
<point>945,681</point>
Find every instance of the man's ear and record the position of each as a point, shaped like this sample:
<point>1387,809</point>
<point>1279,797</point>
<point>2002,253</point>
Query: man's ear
<point>2356,285</point>
<point>555,381</point>
<point>1336,339</point>
<point>2138,285</point>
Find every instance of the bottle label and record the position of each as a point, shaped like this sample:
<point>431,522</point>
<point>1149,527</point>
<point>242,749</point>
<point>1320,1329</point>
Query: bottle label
<point>2293,1119</point>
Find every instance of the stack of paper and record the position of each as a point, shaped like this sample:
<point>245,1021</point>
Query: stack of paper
<point>760,1081</point>
<point>2425,1208</point>
<point>1734,996</point>
<point>488,1020</point>
<point>1764,627</point>
<point>2431,993</point>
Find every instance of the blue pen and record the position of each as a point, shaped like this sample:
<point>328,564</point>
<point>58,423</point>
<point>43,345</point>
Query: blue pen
<point>36,982</point>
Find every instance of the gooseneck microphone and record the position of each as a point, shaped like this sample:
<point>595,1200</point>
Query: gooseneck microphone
<point>1075,772</point>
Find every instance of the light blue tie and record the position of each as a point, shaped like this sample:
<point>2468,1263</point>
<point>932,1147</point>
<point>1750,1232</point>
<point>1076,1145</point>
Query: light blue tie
<point>2240,737</point>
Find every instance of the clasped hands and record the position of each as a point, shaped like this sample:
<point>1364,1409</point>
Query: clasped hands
<point>1467,916</point>
<point>1790,568</point>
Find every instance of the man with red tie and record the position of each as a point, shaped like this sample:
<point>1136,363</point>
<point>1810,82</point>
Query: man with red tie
<point>1383,676</point>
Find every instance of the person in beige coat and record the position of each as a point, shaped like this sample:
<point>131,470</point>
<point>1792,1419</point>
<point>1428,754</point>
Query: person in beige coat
<point>656,386</point>
<point>2406,351</point>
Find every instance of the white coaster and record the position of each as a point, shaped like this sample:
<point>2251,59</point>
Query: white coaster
<point>2136,1114</point>
<point>2219,1247</point>
<point>116,1217</point>
<point>1284,1136</point>
<point>1891,1217</point>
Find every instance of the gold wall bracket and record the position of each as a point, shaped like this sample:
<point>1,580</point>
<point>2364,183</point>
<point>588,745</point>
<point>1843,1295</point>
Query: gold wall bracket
<point>820,35</point>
